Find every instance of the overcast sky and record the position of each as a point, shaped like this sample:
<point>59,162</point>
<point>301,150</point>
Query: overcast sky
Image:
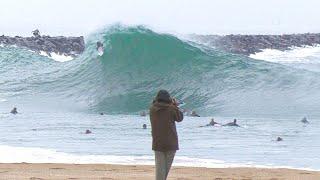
<point>80,17</point>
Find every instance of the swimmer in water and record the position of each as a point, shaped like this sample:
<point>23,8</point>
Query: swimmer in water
<point>194,114</point>
<point>212,123</point>
<point>144,126</point>
<point>14,111</point>
<point>143,113</point>
<point>234,123</point>
<point>304,120</point>
<point>88,131</point>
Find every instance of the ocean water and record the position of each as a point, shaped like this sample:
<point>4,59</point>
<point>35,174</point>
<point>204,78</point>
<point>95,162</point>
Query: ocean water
<point>57,101</point>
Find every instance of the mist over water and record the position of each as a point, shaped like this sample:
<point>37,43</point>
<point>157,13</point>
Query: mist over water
<point>58,100</point>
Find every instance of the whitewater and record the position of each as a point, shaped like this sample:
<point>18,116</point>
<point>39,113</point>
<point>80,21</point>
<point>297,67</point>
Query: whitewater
<point>58,100</point>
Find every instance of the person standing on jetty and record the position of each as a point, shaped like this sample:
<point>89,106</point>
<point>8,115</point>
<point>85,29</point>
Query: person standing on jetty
<point>164,112</point>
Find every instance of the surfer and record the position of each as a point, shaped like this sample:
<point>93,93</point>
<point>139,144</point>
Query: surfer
<point>88,131</point>
<point>212,123</point>
<point>194,114</point>
<point>14,111</point>
<point>99,45</point>
<point>144,126</point>
<point>100,48</point>
<point>234,123</point>
<point>304,120</point>
<point>143,113</point>
<point>279,139</point>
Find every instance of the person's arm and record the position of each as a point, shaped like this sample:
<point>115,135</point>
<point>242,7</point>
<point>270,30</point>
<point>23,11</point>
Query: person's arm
<point>178,114</point>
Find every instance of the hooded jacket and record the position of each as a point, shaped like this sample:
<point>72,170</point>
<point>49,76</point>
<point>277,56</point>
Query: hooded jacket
<point>164,134</point>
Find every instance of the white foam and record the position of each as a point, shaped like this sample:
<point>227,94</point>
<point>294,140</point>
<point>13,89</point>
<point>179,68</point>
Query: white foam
<point>56,57</point>
<point>306,54</point>
<point>3,45</point>
<point>11,154</point>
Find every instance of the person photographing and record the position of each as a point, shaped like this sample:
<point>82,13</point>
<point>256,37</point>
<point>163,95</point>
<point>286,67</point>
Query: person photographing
<point>164,112</point>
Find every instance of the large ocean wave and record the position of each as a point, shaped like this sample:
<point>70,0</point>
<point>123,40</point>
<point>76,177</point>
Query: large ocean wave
<point>138,62</point>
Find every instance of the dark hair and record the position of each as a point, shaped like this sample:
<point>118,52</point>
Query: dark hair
<point>163,96</point>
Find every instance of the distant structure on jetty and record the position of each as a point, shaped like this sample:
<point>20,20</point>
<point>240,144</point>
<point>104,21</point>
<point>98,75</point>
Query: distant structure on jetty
<point>250,44</point>
<point>68,46</point>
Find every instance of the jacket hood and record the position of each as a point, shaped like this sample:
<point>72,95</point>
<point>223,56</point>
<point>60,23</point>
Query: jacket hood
<point>163,96</point>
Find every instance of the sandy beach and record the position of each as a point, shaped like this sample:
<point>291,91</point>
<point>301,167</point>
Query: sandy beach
<point>106,171</point>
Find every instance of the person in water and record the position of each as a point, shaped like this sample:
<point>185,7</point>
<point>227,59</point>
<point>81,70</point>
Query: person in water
<point>88,131</point>
<point>99,45</point>
<point>212,123</point>
<point>143,113</point>
<point>14,111</point>
<point>279,139</point>
<point>144,126</point>
<point>304,120</point>
<point>234,123</point>
<point>164,113</point>
<point>194,114</point>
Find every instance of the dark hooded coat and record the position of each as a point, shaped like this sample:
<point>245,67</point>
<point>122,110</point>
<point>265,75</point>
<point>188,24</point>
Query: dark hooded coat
<point>163,115</point>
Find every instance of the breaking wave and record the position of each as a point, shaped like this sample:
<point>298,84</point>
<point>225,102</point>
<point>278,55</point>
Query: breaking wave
<point>138,62</point>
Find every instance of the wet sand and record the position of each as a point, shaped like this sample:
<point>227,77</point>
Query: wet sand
<point>106,171</point>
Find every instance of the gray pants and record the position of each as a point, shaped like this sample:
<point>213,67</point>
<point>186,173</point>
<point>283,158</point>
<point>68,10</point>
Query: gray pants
<point>163,163</point>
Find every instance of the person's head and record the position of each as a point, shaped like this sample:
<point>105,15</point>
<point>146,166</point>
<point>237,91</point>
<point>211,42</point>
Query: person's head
<point>144,126</point>
<point>101,113</point>
<point>212,120</point>
<point>14,108</point>
<point>235,121</point>
<point>163,96</point>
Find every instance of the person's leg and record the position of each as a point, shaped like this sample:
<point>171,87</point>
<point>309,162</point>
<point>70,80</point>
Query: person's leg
<point>161,165</point>
<point>169,159</point>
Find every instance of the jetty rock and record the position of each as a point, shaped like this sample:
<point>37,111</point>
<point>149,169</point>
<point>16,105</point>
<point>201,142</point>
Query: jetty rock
<point>251,44</point>
<point>68,46</point>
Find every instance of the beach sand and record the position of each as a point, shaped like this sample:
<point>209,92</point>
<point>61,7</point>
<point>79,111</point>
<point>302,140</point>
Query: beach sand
<point>106,171</point>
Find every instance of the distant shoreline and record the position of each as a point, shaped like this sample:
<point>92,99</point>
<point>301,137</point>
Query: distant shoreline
<point>144,172</point>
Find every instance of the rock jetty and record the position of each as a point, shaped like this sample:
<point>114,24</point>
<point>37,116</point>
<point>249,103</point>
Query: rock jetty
<point>250,44</point>
<point>68,46</point>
